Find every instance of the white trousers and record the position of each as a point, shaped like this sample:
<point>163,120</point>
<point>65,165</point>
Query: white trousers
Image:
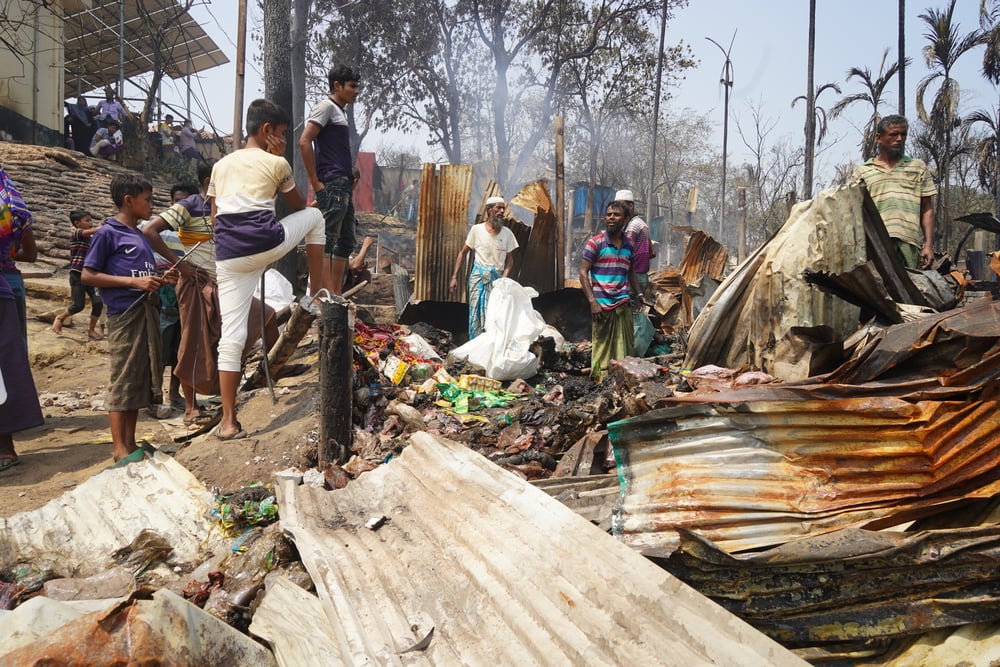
<point>237,278</point>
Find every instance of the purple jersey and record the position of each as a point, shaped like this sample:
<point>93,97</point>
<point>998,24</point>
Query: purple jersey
<point>332,146</point>
<point>119,250</point>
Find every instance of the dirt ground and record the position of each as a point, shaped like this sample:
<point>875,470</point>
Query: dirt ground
<point>71,375</point>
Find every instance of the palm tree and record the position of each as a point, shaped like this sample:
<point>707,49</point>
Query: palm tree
<point>987,151</point>
<point>822,115</point>
<point>874,89</point>
<point>945,47</point>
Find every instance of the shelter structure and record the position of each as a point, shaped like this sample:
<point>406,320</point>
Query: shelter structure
<point>65,48</point>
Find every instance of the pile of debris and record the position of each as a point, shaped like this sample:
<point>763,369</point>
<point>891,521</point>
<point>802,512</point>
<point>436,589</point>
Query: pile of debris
<point>782,485</point>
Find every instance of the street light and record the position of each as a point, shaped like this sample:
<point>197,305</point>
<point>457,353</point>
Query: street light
<point>727,82</point>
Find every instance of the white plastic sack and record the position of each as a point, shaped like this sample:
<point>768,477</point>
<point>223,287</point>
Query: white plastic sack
<point>420,347</point>
<point>511,326</point>
<point>278,291</point>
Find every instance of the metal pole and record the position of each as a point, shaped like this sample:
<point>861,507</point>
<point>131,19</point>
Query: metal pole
<point>121,48</point>
<point>810,149</point>
<point>656,118</point>
<point>241,54</point>
<point>560,205</point>
<point>727,82</point>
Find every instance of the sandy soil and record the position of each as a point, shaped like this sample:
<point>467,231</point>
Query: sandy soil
<point>71,374</point>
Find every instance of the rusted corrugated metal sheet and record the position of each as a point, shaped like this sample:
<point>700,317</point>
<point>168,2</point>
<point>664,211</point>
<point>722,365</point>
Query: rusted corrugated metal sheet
<point>441,229</point>
<point>753,473</point>
<point>852,585</point>
<point>167,630</point>
<point>541,264</point>
<point>494,572</point>
<point>703,256</point>
<point>756,316</point>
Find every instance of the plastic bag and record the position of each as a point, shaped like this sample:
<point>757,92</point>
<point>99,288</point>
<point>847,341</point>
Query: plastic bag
<point>512,325</point>
<point>278,291</point>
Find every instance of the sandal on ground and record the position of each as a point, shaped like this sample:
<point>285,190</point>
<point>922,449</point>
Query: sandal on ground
<point>137,455</point>
<point>199,419</point>
<point>8,462</point>
<point>239,435</point>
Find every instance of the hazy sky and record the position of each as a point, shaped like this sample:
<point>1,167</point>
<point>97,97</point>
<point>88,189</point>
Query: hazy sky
<point>768,55</point>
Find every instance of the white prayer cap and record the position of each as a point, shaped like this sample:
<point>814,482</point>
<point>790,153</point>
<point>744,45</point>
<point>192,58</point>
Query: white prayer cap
<point>495,200</point>
<point>624,195</point>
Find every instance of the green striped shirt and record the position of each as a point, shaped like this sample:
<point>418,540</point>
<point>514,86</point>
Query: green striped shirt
<point>897,193</point>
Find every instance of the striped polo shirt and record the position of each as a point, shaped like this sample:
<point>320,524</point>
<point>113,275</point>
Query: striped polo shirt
<point>897,193</point>
<point>609,268</point>
<point>192,219</point>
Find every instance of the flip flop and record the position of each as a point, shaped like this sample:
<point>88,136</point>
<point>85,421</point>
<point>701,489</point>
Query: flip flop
<point>137,455</point>
<point>8,462</point>
<point>199,419</point>
<point>239,435</point>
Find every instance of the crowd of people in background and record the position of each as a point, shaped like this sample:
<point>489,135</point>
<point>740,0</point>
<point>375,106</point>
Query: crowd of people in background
<point>97,131</point>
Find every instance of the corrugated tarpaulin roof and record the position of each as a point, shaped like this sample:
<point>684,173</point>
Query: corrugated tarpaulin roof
<point>80,529</point>
<point>494,572</point>
<point>901,432</point>
<point>441,230</point>
<point>166,630</point>
<point>155,31</point>
<point>766,316</point>
<point>852,586</point>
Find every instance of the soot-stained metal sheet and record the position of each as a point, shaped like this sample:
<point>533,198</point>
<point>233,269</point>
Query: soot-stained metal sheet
<point>444,551</point>
<point>762,471</point>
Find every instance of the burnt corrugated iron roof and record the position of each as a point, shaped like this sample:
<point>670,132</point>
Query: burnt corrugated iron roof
<point>852,586</point>
<point>703,256</point>
<point>495,572</point>
<point>441,229</point>
<point>80,528</point>
<point>540,267</point>
<point>758,316</point>
<point>760,472</point>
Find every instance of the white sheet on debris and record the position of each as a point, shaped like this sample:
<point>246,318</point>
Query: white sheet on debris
<point>499,571</point>
<point>83,527</point>
<point>279,621</point>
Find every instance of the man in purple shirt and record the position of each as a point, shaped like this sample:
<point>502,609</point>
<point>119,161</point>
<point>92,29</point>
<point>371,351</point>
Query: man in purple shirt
<point>637,231</point>
<point>109,109</point>
<point>326,154</point>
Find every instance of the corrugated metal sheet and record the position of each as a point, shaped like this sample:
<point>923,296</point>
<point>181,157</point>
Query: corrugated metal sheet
<point>441,228</point>
<point>758,472</point>
<point>280,619</point>
<point>81,528</point>
<point>755,316</point>
<point>499,571</point>
<point>852,585</point>
<point>703,256</point>
<point>541,265</point>
<point>167,630</point>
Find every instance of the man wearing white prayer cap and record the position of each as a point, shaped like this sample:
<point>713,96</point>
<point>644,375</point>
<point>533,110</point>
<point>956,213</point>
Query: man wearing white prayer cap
<point>491,244</point>
<point>637,231</point>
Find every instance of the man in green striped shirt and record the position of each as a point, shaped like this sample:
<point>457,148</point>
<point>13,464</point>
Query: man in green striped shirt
<point>903,190</point>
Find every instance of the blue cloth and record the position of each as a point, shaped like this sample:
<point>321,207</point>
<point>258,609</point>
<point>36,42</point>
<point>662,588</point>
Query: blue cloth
<point>119,250</point>
<point>480,286</point>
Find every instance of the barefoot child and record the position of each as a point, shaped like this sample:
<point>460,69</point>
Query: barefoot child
<point>78,245</point>
<point>120,261</point>
<point>248,236</point>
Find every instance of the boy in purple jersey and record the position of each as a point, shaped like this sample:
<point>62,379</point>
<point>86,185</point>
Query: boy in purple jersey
<point>248,237</point>
<point>325,145</point>
<point>120,261</point>
<point>607,279</point>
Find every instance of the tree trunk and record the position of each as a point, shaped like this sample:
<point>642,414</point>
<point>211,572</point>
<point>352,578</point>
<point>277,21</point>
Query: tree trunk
<point>500,94</point>
<point>298,72</point>
<point>278,89</point>
<point>901,57</point>
<point>810,149</point>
